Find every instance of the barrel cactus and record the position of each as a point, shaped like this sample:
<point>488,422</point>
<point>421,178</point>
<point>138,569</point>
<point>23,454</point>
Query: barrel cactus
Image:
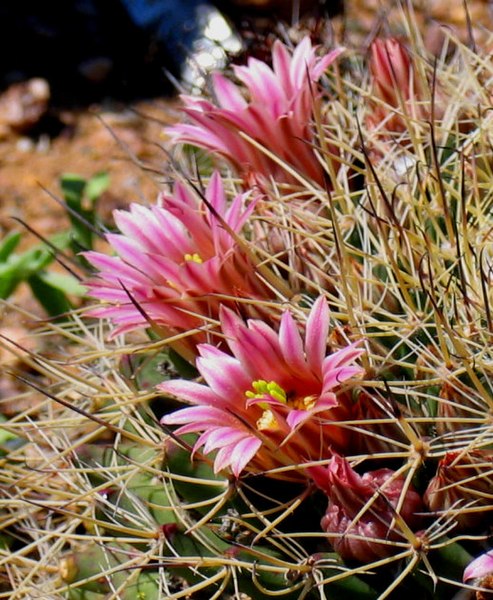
<point>286,389</point>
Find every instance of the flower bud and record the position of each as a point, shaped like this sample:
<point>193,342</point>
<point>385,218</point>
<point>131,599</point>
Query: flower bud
<point>379,429</point>
<point>391,69</point>
<point>463,483</point>
<point>457,402</point>
<point>362,518</point>
<point>394,84</point>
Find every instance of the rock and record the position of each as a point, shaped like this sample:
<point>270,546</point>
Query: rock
<point>96,69</point>
<point>22,105</point>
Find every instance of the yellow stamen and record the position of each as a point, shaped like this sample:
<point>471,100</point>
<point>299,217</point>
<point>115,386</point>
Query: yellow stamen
<point>193,258</point>
<point>267,421</point>
<point>306,403</point>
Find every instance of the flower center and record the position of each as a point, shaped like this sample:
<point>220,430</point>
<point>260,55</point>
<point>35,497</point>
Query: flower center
<point>193,258</point>
<point>262,388</point>
<point>304,403</point>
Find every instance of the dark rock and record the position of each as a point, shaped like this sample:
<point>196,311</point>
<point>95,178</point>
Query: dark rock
<point>88,49</point>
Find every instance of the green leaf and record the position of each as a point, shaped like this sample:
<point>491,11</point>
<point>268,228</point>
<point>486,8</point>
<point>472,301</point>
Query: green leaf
<point>184,368</point>
<point>41,256</point>
<point>65,283</point>
<point>51,299</point>
<point>153,495</point>
<point>178,461</point>
<point>5,435</point>
<point>18,268</point>
<point>9,280</point>
<point>97,185</point>
<point>81,594</point>
<point>73,187</point>
<point>91,562</point>
<point>350,586</point>
<point>144,587</point>
<point>75,190</point>
<point>5,541</point>
<point>9,244</point>
<point>450,560</point>
<point>143,493</point>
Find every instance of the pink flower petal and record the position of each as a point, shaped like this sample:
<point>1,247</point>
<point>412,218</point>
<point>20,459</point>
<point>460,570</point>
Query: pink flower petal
<point>281,61</point>
<point>229,381</point>
<point>231,324</point>
<point>317,332</point>
<point>215,195</point>
<point>259,357</point>
<point>223,459</point>
<point>189,391</point>
<point>339,375</point>
<point>221,437</point>
<point>292,344</point>
<point>296,418</point>
<point>227,93</point>
<point>343,357</point>
<point>264,87</point>
<point>324,62</point>
<point>243,453</point>
<point>303,57</point>
<point>480,567</point>
<point>199,416</point>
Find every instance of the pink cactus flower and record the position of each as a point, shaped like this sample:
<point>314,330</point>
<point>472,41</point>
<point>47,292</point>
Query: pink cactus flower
<point>480,568</point>
<point>277,114</point>
<point>273,401</point>
<point>173,260</point>
<point>357,535</point>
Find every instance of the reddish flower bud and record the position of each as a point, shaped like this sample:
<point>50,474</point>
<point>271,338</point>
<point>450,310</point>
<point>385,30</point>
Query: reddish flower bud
<point>463,483</point>
<point>169,530</point>
<point>457,402</point>
<point>367,536</point>
<point>379,430</point>
<point>394,84</point>
<point>392,71</point>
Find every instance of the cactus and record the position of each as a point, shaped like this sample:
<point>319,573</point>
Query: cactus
<point>320,428</point>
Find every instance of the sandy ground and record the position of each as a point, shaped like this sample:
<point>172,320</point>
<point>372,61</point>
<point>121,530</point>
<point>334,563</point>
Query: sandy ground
<point>112,138</point>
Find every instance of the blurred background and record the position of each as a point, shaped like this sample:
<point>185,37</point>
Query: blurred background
<point>87,49</point>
